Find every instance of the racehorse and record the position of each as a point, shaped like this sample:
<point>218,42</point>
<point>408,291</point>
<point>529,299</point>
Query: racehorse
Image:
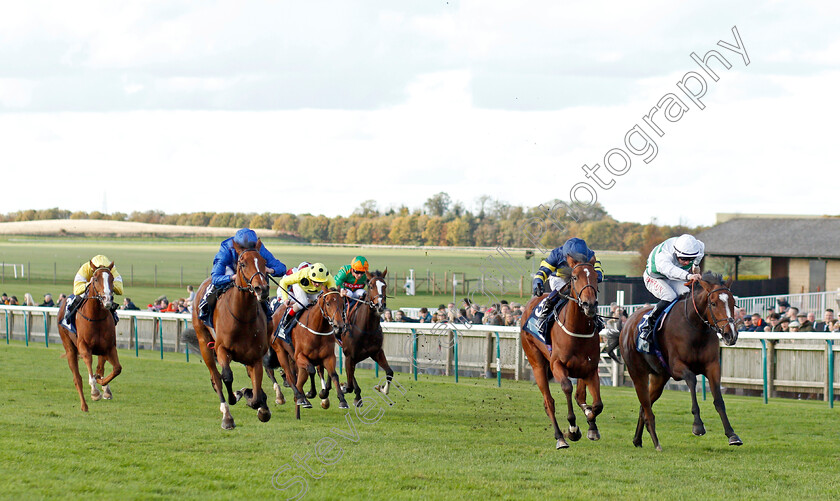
<point>363,336</point>
<point>239,333</point>
<point>95,335</point>
<point>314,340</point>
<point>689,344</point>
<point>576,349</point>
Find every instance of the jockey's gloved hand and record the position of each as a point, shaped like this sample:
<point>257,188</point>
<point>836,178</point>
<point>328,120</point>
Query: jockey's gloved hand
<point>114,307</point>
<point>538,286</point>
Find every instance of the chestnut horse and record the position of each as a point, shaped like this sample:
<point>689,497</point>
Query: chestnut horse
<point>576,349</point>
<point>95,335</point>
<point>689,344</point>
<point>240,333</point>
<point>363,336</point>
<point>314,340</point>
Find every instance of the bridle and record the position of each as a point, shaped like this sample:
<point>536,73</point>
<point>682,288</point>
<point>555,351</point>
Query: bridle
<point>240,269</point>
<point>91,292</point>
<point>377,300</point>
<point>714,324</point>
<point>574,299</point>
<point>321,301</point>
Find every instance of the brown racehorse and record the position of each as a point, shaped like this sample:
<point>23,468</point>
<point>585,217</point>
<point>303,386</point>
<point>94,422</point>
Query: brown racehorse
<point>576,350</point>
<point>96,334</point>
<point>282,355</point>
<point>240,333</point>
<point>314,340</point>
<point>689,345</point>
<point>363,336</point>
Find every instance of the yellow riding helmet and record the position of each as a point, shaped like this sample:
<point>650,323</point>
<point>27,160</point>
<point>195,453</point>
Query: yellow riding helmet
<point>318,272</point>
<point>359,264</point>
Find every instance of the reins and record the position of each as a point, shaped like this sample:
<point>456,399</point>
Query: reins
<point>101,297</point>
<point>714,326</point>
<point>578,302</point>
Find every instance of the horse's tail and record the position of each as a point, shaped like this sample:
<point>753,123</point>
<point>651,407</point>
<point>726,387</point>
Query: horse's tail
<point>188,336</point>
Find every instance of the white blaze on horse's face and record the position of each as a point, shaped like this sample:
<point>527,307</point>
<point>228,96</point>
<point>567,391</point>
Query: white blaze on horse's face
<point>729,314</point>
<point>105,286</point>
<point>379,286</point>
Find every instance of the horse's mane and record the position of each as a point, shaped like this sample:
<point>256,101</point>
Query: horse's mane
<point>376,274</point>
<point>565,271</point>
<point>713,278</point>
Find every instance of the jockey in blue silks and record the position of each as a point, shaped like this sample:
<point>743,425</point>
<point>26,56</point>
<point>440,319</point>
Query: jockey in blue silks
<point>224,270</point>
<point>550,271</point>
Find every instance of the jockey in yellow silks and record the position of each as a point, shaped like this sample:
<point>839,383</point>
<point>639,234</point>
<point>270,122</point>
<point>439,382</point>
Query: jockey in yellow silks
<point>80,283</point>
<point>304,285</point>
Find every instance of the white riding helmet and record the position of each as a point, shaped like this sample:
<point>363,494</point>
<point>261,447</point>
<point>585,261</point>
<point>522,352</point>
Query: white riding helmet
<point>687,246</point>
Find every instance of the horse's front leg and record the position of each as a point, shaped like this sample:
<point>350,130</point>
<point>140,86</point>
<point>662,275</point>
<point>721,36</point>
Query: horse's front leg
<point>329,365</point>
<point>697,428</point>
<point>227,374</point>
<point>713,374</point>
<point>389,373</point>
<point>593,382</point>
<point>88,359</point>
<point>304,366</point>
<point>114,359</point>
<point>562,376</point>
<point>258,399</point>
<point>352,384</point>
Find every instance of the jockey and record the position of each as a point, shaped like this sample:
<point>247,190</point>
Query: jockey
<point>80,282</point>
<point>352,278</point>
<point>670,264</point>
<point>305,286</point>
<point>224,269</point>
<point>550,270</point>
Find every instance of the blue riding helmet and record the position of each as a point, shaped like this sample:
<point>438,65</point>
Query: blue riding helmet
<point>246,237</point>
<point>576,245</point>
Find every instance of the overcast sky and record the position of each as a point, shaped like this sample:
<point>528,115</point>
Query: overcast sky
<point>317,106</point>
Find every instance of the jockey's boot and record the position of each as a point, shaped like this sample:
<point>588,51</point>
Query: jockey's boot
<point>208,304</point>
<point>548,305</point>
<point>114,308</point>
<point>73,305</point>
<point>648,326</point>
<point>286,323</point>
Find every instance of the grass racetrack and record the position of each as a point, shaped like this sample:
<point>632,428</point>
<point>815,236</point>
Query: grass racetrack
<point>160,437</point>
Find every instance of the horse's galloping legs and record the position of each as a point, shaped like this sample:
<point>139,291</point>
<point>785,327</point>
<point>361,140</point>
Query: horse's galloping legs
<point>593,382</point>
<point>562,376</point>
<point>713,374</point>
<point>642,387</point>
<point>352,384</point>
<point>279,399</point>
<point>258,399</point>
<point>389,373</point>
<point>227,374</point>
<point>329,365</point>
<point>539,366</point>
<point>216,380</point>
<point>302,365</point>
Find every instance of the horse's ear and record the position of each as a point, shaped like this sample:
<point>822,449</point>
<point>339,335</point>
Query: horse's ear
<point>238,248</point>
<point>729,282</point>
<point>593,260</point>
<point>111,266</point>
<point>385,273</point>
<point>259,244</point>
<point>92,266</point>
<point>570,261</point>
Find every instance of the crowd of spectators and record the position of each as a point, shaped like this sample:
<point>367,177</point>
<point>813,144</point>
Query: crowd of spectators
<point>28,300</point>
<point>501,313</point>
<point>786,318</point>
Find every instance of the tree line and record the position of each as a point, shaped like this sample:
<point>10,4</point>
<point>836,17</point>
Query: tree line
<point>440,222</point>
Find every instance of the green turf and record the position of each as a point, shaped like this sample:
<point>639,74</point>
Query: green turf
<point>154,267</point>
<point>160,437</point>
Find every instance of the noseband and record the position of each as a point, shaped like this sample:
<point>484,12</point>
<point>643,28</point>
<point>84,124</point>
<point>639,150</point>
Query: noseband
<point>715,321</point>
<point>577,300</point>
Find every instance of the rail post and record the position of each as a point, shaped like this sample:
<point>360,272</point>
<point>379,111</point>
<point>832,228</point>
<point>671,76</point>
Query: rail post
<point>413,350</point>
<point>764,367</point>
<point>46,331</point>
<point>26,327</point>
<point>830,390</point>
<point>136,346</point>
<point>498,360</point>
<point>455,332</point>
<point>160,331</point>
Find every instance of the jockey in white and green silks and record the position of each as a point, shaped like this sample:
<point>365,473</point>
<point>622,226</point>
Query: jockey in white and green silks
<point>351,279</point>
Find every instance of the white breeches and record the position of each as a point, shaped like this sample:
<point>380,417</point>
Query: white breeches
<point>358,293</point>
<point>555,283</point>
<point>302,296</point>
<point>664,288</point>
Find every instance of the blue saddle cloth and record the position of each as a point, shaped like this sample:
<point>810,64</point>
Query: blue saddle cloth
<point>531,325</point>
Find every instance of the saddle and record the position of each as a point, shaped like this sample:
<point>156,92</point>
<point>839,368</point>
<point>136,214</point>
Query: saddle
<point>532,325</point>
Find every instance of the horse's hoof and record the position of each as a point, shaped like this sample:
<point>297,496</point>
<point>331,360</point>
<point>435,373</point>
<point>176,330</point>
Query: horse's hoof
<point>637,443</point>
<point>357,402</point>
<point>108,396</point>
<point>264,414</point>
<point>575,435</point>
<point>698,431</point>
<point>310,394</point>
<point>325,403</point>
<point>96,396</point>
<point>84,408</point>
<point>561,444</point>
<point>303,403</point>
<point>593,435</point>
<point>280,401</point>
<point>343,405</point>
<point>228,424</point>
<point>658,447</point>
<point>734,440</point>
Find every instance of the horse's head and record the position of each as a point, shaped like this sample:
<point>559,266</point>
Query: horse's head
<point>377,289</point>
<point>331,303</point>
<point>250,271</point>
<point>583,280</point>
<point>720,307</point>
<point>101,285</point>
